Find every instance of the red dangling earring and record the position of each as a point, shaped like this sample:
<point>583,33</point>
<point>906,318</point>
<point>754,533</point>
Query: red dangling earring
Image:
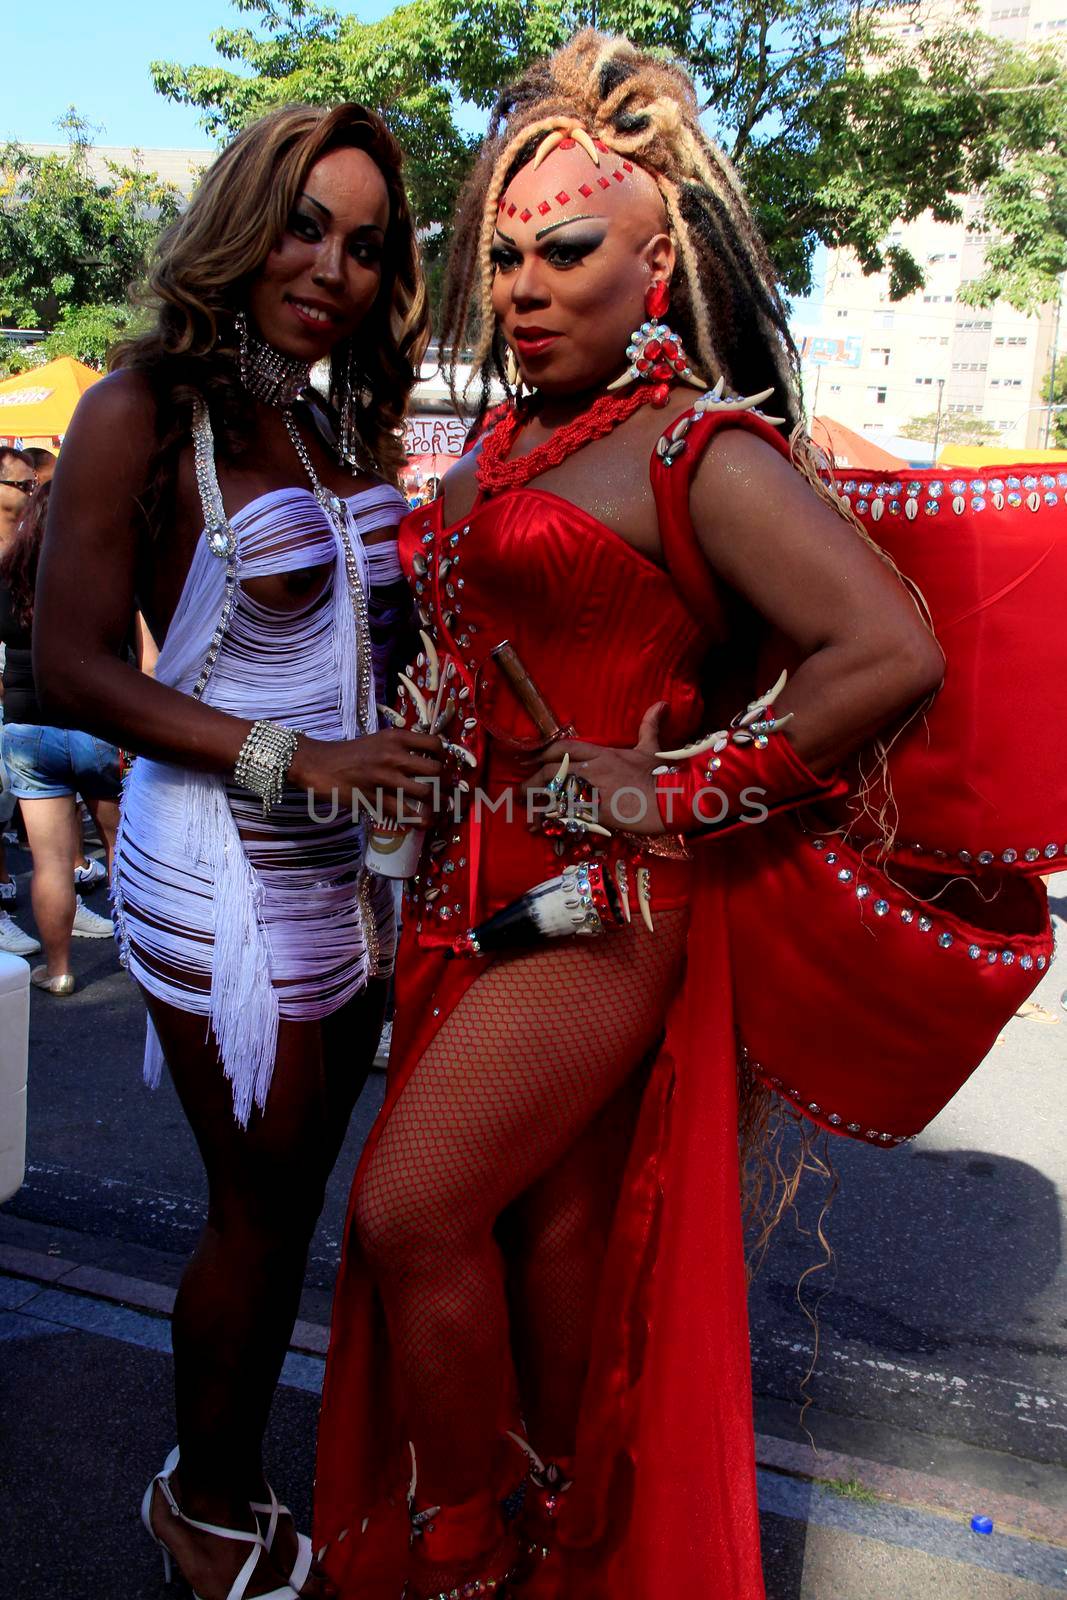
<point>657,299</point>
<point>655,353</point>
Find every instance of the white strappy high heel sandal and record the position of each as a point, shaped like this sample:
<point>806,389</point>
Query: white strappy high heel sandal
<point>273,1511</point>
<point>258,1543</point>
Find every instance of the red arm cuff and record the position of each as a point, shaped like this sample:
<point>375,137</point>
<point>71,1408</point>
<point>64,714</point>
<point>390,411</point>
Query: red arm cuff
<point>743,781</point>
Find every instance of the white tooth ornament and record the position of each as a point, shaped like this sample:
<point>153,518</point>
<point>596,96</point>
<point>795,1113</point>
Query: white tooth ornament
<point>580,136</point>
<point>622,884</point>
<point>697,749</point>
<point>460,753</point>
<point>754,707</point>
<point>432,658</point>
<point>644,897</point>
<point>417,699</point>
<point>547,145</point>
<point>395,717</point>
<point>511,369</point>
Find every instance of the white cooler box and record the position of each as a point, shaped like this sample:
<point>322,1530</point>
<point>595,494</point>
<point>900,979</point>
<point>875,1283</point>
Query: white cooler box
<point>14,1049</point>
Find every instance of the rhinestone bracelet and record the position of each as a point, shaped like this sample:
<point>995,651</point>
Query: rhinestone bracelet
<point>264,761</point>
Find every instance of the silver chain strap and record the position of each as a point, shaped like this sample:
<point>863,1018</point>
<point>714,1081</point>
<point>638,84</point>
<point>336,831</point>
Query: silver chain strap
<point>221,540</point>
<point>335,508</point>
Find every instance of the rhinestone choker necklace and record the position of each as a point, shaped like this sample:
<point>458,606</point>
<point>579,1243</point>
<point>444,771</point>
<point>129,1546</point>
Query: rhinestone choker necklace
<point>268,374</point>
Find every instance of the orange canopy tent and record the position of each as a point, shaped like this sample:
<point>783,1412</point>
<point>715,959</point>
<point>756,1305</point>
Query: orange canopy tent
<point>849,449</point>
<point>36,406</point>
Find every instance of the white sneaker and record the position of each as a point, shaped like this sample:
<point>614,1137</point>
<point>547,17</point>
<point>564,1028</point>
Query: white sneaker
<point>13,940</point>
<point>91,876</point>
<point>87,925</point>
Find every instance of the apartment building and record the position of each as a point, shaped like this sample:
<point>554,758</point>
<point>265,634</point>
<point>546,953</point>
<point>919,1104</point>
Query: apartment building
<point>875,364</point>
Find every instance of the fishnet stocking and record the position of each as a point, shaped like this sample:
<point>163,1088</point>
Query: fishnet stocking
<point>554,1239</point>
<point>518,1074</point>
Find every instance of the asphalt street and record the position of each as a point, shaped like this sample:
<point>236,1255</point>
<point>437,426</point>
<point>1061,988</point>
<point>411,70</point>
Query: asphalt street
<point>942,1322</point>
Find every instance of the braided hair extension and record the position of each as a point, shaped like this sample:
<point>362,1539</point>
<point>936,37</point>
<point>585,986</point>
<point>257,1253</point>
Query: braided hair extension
<point>724,299</point>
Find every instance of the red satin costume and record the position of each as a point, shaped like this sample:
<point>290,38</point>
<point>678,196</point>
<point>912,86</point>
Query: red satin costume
<point>664,1495</point>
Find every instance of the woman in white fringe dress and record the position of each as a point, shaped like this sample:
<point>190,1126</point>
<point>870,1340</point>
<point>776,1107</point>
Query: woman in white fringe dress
<point>256,530</point>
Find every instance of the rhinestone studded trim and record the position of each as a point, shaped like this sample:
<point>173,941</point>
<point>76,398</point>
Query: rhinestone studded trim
<point>873,498</point>
<point>1024,855</point>
<point>221,540</point>
<point>811,1108</point>
<point>946,936</point>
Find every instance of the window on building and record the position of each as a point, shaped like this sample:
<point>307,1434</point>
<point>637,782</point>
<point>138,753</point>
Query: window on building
<point>883,319</point>
<point>1020,340</point>
<point>835,388</point>
<point>926,381</point>
<point>966,410</point>
<point>880,355</point>
<point>877,396</point>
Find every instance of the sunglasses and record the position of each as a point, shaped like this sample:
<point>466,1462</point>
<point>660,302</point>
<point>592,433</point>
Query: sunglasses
<point>27,485</point>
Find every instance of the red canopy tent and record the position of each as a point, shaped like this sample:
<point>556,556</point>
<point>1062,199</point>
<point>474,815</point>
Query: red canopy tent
<point>849,449</point>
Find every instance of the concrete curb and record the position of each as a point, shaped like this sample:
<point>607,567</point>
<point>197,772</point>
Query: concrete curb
<point>919,1491</point>
<point>851,1477</point>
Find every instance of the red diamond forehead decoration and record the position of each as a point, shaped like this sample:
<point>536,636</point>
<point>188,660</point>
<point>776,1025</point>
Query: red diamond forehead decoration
<point>585,190</point>
<point>544,208</point>
<point>628,166</point>
<point>620,177</point>
<point>605,183</point>
<point>524,216</point>
<point>563,197</point>
<point>512,208</point>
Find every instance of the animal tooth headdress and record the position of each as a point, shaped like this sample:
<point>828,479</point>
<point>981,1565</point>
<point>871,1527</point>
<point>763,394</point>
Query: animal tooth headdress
<point>608,97</point>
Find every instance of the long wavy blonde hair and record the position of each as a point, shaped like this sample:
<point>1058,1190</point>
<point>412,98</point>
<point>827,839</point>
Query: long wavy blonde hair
<point>202,265</point>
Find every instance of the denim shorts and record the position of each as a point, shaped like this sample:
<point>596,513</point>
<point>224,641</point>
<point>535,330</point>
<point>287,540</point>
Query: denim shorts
<point>46,763</point>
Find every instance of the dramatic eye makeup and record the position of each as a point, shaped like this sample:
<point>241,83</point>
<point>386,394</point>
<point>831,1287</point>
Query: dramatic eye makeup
<point>562,244</point>
<point>366,243</point>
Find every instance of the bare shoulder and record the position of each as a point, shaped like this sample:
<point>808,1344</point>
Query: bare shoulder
<point>739,452</point>
<point>115,419</point>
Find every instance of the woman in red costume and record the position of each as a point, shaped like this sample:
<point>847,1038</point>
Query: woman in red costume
<point>539,1375</point>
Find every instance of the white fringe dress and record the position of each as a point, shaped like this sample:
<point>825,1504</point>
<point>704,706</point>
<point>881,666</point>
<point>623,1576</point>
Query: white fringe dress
<point>219,911</point>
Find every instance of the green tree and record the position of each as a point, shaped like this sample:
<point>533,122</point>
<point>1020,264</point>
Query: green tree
<point>838,125</point>
<point>88,332</point>
<point>67,238</point>
<point>16,358</point>
<point>1056,395</point>
<point>954,429</point>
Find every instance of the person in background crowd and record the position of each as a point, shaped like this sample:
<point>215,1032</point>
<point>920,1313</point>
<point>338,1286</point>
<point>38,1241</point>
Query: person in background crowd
<point>17,482</point>
<point>44,463</point>
<point>89,873</point>
<point>47,766</point>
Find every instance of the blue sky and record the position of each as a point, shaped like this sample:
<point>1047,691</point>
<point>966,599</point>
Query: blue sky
<point>96,58</point>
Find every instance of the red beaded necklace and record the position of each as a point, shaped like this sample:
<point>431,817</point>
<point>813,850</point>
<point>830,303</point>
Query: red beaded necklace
<point>495,472</point>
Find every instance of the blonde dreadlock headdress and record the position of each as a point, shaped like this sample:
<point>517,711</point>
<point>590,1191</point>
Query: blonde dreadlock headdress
<point>603,93</point>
